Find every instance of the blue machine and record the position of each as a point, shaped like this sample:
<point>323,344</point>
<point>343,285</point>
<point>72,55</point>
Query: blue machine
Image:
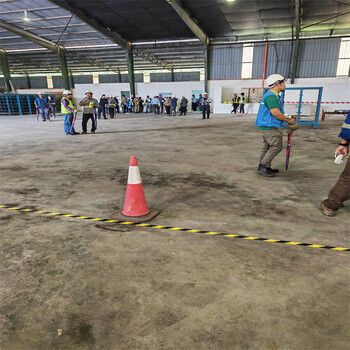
<point>314,122</point>
<point>22,104</point>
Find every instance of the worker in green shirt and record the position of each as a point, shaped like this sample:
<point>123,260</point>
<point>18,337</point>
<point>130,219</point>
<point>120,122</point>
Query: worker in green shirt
<point>270,121</point>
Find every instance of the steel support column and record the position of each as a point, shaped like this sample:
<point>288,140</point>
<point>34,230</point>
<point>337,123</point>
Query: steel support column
<point>64,69</point>
<point>5,69</point>
<point>172,76</point>
<point>296,47</point>
<point>130,60</point>
<point>206,68</point>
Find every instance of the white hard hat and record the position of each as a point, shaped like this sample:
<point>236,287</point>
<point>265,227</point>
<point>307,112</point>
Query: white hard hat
<point>205,93</point>
<point>275,78</point>
<point>67,92</point>
<point>88,92</point>
<point>40,93</point>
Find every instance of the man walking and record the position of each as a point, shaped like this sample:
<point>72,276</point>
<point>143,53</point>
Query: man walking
<point>102,107</point>
<point>194,103</point>
<point>156,105</point>
<point>89,106</point>
<point>341,190</point>
<point>68,110</point>
<point>42,104</point>
<point>183,105</point>
<point>148,104</point>
<point>235,103</point>
<point>243,101</point>
<point>270,121</point>
<point>205,106</point>
<point>173,106</point>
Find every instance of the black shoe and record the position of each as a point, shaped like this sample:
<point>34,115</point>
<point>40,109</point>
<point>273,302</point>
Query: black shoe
<point>105,118</point>
<point>273,171</point>
<point>263,171</point>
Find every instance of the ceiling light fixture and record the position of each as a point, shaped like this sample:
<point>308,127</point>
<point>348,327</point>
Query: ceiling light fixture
<point>26,18</point>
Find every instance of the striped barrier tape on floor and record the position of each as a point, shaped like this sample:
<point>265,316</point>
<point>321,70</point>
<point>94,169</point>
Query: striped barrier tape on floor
<point>130,223</point>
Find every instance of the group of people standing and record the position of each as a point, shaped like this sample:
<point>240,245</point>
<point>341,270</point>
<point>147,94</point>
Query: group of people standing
<point>238,102</point>
<point>45,106</point>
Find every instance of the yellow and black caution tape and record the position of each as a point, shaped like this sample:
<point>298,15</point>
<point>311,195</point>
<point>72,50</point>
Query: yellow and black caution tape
<point>137,224</point>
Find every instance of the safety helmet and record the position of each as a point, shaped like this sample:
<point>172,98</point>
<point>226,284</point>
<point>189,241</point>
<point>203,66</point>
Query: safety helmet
<point>88,92</point>
<point>275,78</point>
<point>205,93</point>
<point>67,92</point>
<point>40,93</point>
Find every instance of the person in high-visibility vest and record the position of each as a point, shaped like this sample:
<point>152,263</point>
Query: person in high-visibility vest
<point>235,103</point>
<point>68,110</point>
<point>243,101</point>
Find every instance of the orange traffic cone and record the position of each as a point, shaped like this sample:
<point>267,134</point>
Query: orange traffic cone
<point>135,205</point>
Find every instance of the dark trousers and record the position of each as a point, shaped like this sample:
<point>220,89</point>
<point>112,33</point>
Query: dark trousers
<point>341,190</point>
<point>103,110</point>
<point>235,107</point>
<point>241,108</point>
<point>205,111</point>
<point>194,106</point>
<point>167,110</point>
<point>86,118</point>
<point>111,112</point>
<point>183,110</point>
<point>156,109</point>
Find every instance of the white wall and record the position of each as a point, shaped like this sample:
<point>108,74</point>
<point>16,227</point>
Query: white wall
<point>334,90</point>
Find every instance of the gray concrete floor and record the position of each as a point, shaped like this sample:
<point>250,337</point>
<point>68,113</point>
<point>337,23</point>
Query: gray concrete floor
<point>75,284</point>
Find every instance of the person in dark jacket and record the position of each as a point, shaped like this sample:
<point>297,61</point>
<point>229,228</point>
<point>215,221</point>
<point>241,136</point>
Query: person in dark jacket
<point>340,192</point>
<point>102,107</point>
<point>183,105</point>
<point>42,104</point>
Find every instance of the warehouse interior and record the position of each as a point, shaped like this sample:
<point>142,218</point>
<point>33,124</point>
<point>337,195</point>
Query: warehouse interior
<point>232,260</point>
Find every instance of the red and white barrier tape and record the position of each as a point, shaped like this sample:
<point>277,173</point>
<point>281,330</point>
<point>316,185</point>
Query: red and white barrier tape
<point>322,103</point>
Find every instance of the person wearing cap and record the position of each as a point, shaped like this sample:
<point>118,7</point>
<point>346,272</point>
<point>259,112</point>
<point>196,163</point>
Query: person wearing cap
<point>89,106</point>
<point>42,104</point>
<point>205,106</point>
<point>270,121</point>
<point>340,192</point>
<point>102,107</point>
<point>183,105</point>
<point>68,110</point>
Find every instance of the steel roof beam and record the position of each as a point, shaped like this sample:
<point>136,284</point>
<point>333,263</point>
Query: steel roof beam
<point>113,36</point>
<point>190,22</point>
<point>58,49</point>
<point>297,34</point>
<point>4,64</point>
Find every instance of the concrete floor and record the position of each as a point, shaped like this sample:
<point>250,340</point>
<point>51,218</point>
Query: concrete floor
<point>75,284</point>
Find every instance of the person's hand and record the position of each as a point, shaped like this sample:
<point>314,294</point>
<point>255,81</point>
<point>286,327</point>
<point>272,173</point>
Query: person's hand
<point>75,111</point>
<point>342,150</point>
<point>291,121</point>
